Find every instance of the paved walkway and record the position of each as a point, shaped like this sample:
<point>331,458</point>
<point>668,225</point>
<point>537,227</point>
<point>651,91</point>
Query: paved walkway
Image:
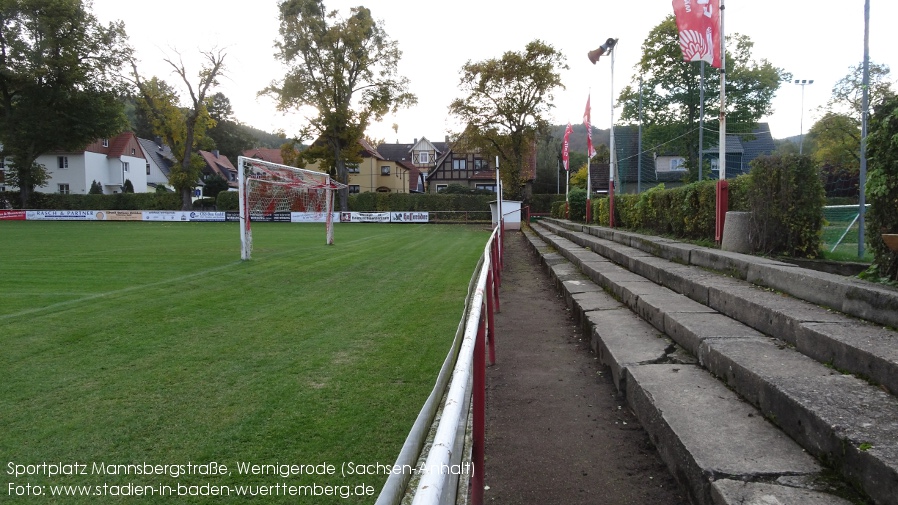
<point>557,431</point>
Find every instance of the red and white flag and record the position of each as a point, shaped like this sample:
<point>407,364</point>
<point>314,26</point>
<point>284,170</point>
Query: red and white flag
<point>566,147</point>
<point>590,151</point>
<point>698,22</point>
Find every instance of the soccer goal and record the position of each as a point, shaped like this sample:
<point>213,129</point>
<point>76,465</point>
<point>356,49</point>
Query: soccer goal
<point>267,189</point>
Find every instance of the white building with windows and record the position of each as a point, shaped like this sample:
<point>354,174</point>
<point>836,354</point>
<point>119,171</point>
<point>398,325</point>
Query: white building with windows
<point>110,162</point>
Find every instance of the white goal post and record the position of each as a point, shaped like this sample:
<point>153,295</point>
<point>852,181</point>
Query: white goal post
<point>267,188</point>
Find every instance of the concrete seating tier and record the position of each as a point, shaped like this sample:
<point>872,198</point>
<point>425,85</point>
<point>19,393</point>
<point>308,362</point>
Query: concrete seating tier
<point>756,379</point>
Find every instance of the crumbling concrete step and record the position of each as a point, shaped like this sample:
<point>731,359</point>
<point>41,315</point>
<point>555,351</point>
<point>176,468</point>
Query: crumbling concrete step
<point>855,297</point>
<point>848,344</point>
<point>842,420</point>
<point>705,433</point>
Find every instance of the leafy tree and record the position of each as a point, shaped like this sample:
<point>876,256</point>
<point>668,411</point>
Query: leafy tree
<point>95,188</point>
<point>346,69</point>
<point>59,83</point>
<point>506,106</point>
<point>671,91</point>
<point>230,138</point>
<point>882,185</point>
<point>183,128</point>
<point>214,184</point>
<point>128,187</point>
<point>835,140</point>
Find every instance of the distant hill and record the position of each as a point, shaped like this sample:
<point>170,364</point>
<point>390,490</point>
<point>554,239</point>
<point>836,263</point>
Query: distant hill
<point>578,137</point>
<point>263,138</point>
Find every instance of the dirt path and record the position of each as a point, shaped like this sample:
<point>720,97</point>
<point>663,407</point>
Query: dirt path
<point>557,431</point>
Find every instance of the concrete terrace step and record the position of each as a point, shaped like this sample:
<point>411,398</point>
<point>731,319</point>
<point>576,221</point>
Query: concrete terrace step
<point>846,343</point>
<point>845,422</point>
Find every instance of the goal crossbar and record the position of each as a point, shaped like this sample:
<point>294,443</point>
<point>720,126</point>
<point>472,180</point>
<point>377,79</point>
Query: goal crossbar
<point>265,188</point>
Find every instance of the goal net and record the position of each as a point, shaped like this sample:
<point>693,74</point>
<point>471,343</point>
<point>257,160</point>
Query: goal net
<point>266,189</point>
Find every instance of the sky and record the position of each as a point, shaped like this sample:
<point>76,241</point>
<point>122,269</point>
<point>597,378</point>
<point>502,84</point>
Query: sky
<point>812,39</point>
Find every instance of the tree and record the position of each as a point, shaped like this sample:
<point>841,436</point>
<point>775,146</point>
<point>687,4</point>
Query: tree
<point>213,185</point>
<point>230,137</point>
<point>506,106</point>
<point>182,128</point>
<point>59,83</point>
<point>128,187</point>
<point>95,188</point>
<point>671,92</point>
<point>346,69</point>
<point>882,185</point>
<point>835,139</point>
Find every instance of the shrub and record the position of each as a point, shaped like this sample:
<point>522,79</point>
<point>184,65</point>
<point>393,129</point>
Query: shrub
<point>227,200</point>
<point>577,201</point>
<point>786,198</point>
<point>882,186</point>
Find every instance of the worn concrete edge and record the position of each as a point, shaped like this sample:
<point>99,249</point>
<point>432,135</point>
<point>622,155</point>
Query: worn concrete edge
<point>852,296</point>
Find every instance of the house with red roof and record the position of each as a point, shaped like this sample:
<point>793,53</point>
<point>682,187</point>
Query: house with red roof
<point>219,164</point>
<point>110,162</point>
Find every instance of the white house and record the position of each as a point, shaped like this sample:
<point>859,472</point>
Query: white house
<point>159,160</point>
<point>110,162</point>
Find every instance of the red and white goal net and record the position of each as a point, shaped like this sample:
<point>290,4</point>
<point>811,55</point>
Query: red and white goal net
<point>267,188</point>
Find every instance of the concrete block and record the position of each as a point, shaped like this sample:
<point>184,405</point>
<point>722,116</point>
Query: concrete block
<point>690,329</point>
<point>734,492</point>
<point>842,420</point>
<point>652,306</point>
<point>702,429</point>
<point>620,339</point>
<point>857,347</point>
<point>736,232</point>
<point>771,313</point>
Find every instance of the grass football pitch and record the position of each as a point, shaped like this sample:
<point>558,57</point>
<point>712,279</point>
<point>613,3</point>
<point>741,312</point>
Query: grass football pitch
<point>138,359</point>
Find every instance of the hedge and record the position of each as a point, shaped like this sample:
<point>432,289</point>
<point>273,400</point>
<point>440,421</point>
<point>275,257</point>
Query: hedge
<point>118,201</point>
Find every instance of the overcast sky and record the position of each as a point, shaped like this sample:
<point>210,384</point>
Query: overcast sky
<point>812,39</point>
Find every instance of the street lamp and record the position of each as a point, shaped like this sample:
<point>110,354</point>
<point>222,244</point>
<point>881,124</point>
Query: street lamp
<point>802,83</point>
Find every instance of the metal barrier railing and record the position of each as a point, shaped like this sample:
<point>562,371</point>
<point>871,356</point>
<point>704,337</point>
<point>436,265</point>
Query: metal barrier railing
<point>466,364</point>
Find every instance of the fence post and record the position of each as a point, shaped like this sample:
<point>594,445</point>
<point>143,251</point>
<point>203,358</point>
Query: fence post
<point>479,414</point>
<point>490,329</point>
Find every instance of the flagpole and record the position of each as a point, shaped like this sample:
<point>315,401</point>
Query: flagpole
<point>722,185</point>
<point>612,158</point>
<point>588,159</point>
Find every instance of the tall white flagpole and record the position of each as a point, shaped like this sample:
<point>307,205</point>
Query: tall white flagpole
<point>722,187</point>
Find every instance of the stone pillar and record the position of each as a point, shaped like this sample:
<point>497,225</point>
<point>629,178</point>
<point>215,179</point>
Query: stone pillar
<point>736,232</point>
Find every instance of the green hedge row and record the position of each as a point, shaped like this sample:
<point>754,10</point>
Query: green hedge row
<point>118,201</point>
<point>783,193</point>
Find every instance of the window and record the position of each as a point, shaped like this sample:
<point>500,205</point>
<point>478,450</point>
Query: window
<point>480,164</point>
<point>461,164</point>
<point>2,163</point>
<point>126,167</point>
<point>148,169</point>
<point>352,168</point>
<point>62,161</point>
<point>354,188</point>
<point>441,187</point>
<point>63,189</point>
<point>385,170</point>
<point>486,187</point>
<point>677,165</point>
<point>424,157</point>
<point>133,151</point>
<point>715,164</point>
<point>105,142</point>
